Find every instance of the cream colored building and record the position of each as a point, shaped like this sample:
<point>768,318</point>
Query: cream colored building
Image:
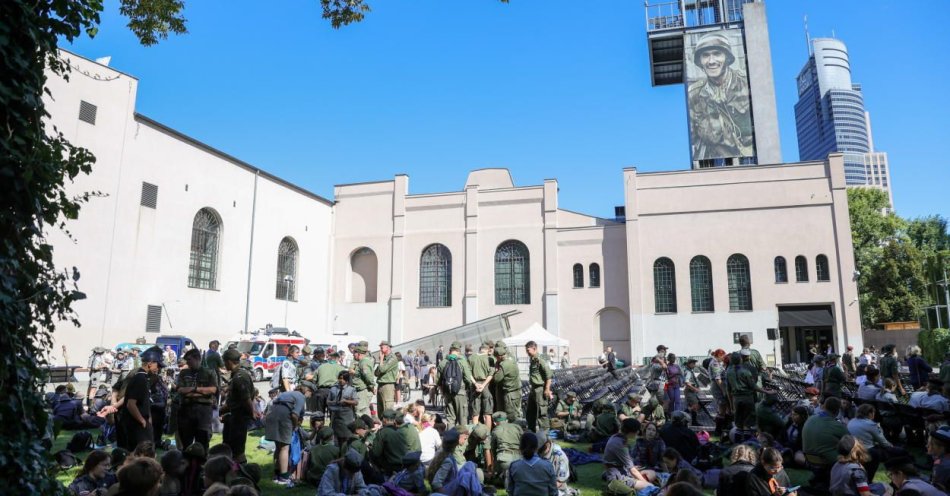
<point>204,243</point>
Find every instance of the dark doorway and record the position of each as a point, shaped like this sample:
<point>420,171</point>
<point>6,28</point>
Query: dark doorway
<point>804,330</point>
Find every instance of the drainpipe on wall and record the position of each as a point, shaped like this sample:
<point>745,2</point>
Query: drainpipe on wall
<point>250,254</point>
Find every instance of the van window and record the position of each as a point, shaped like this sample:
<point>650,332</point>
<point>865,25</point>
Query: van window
<point>282,349</point>
<point>268,351</point>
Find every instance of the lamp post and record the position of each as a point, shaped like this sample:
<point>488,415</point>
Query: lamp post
<point>288,280</point>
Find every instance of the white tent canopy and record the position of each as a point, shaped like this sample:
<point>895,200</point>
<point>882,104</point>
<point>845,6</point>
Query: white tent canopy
<point>537,334</point>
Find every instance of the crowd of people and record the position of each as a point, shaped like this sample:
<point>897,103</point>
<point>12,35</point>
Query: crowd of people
<point>493,430</point>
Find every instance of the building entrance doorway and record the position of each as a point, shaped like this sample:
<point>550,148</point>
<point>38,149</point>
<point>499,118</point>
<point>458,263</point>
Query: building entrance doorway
<point>805,331</point>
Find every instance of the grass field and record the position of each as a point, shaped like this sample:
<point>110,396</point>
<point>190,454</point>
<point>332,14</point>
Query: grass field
<point>589,482</point>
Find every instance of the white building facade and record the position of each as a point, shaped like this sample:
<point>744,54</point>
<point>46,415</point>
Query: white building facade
<point>189,240</point>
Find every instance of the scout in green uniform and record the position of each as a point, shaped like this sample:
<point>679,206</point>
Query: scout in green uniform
<point>357,442</point>
<point>478,447</point>
<point>890,368</point>
<point>196,388</point>
<point>327,377</point>
<point>505,441</point>
<point>743,390</point>
<point>238,410</point>
<point>691,387</point>
<point>321,455</point>
<point>539,378</point>
<point>569,415</point>
<point>389,446</point>
<point>361,371</point>
<point>456,405</point>
<point>832,377</point>
<point>409,433</point>
<point>606,423</point>
<point>653,410</point>
<point>507,380</point>
<point>483,367</point>
<point>386,375</point>
<point>766,419</point>
<point>630,408</point>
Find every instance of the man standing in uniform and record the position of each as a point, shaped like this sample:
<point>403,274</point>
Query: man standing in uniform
<point>136,411</point>
<point>755,361</point>
<point>832,378</point>
<point>386,379</point>
<point>327,376</point>
<point>363,380</point>
<point>611,364</point>
<point>692,385</point>
<point>507,381</point>
<point>890,368</point>
<point>238,408</point>
<point>849,363</point>
<point>286,374</point>
<point>483,405</point>
<point>743,390</point>
<point>456,400</point>
<point>197,387</point>
<point>539,378</point>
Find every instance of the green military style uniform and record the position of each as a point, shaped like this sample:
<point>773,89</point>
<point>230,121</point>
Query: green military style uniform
<point>327,374</point>
<point>456,407</point>
<point>410,434</point>
<point>743,395</point>
<point>539,373</point>
<point>505,441</point>
<point>767,420</point>
<point>483,366</point>
<point>568,416</point>
<point>363,381</point>
<point>832,380</point>
<point>386,375</point>
<point>479,441</point>
<point>388,449</point>
<point>321,455</point>
<point>605,424</point>
<point>654,412</point>
<point>507,380</point>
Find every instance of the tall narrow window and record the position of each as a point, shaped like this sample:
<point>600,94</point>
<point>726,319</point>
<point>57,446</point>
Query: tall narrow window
<point>781,270</point>
<point>364,267</point>
<point>594,275</point>
<point>205,237</point>
<point>700,283</point>
<point>287,269</point>
<point>435,277</point>
<point>578,276</point>
<point>821,265</point>
<point>801,269</point>
<point>512,274</point>
<point>664,285</point>
<point>740,283</point>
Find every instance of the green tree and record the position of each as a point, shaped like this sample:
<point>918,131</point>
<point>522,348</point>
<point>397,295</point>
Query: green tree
<point>930,236</point>
<point>895,287</point>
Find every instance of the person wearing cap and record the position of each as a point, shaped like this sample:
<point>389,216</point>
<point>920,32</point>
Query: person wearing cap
<point>238,408</point>
<point>504,442</point>
<point>691,386</point>
<point>364,382</point>
<point>906,479</point>
<point>569,415</point>
<point>531,475</point>
<point>412,477</point>
<point>938,447</point>
<point>280,424</point>
<point>327,376</point>
<point>196,388</point>
<point>605,423</point>
<point>342,402</point>
<point>890,367</point>
<point>849,362</point>
<point>767,419</point>
<point>539,378</point>
<point>456,403</point>
<point>343,477</point>
<point>618,463</point>
<point>483,366</point>
<point>135,413</point>
<point>720,114</point>
<point>832,377</point>
<point>507,381</point>
<point>755,363</point>
<point>386,376</point>
<point>322,454</point>
<point>477,447</point>
<point>630,408</point>
<point>389,446</point>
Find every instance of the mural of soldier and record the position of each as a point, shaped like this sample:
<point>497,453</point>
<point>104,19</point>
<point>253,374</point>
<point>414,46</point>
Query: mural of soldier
<point>720,112</point>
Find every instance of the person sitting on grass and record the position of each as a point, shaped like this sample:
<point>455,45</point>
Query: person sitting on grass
<point>218,469</point>
<point>173,466</point>
<point>618,463</point>
<point>321,456</point>
<point>343,477</point>
<point>93,479</point>
<point>762,481</point>
<point>140,477</point>
<point>906,479</point>
<point>412,477</point>
<point>649,447</point>
<point>531,475</point>
<point>848,476</point>
<point>732,479</point>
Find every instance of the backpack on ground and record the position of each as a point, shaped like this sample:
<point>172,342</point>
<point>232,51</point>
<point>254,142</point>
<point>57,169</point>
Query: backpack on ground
<point>65,459</point>
<point>81,441</point>
<point>452,378</point>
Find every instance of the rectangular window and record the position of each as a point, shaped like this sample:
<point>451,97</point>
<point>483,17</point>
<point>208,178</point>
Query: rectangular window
<point>87,112</point>
<point>153,319</point>
<point>149,195</point>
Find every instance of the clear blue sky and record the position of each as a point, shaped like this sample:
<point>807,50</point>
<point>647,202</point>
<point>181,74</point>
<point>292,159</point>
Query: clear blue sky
<point>546,88</point>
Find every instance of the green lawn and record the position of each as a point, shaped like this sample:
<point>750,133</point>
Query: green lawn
<point>589,481</point>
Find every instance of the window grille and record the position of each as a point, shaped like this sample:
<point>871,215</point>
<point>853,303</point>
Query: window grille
<point>781,270</point>
<point>821,265</point>
<point>578,276</point>
<point>287,270</point>
<point>801,269</point>
<point>149,195</point>
<point>664,285</point>
<point>512,274</point>
<point>205,234</point>
<point>740,283</point>
<point>435,277</point>
<point>700,282</point>
<point>87,112</point>
<point>153,319</point>
<point>594,275</point>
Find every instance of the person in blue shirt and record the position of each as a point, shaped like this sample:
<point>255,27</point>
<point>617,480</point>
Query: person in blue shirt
<point>531,475</point>
<point>286,413</point>
<point>343,477</point>
<point>93,480</point>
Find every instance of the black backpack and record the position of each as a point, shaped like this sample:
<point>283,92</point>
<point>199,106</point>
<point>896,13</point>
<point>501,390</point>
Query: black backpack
<point>65,459</point>
<point>452,377</point>
<point>81,441</point>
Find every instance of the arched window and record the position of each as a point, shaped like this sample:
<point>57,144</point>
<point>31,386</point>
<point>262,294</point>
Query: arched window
<point>594,275</point>
<point>700,283</point>
<point>578,276</point>
<point>363,274</point>
<point>205,239</point>
<point>287,269</point>
<point>512,274</point>
<point>781,270</point>
<point>821,265</point>
<point>435,277</point>
<point>740,282</point>
<point>801,269</point>
<point>664,285</point>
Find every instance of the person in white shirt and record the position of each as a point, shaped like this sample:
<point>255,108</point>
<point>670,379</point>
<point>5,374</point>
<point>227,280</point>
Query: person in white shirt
<point>430,439</point>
